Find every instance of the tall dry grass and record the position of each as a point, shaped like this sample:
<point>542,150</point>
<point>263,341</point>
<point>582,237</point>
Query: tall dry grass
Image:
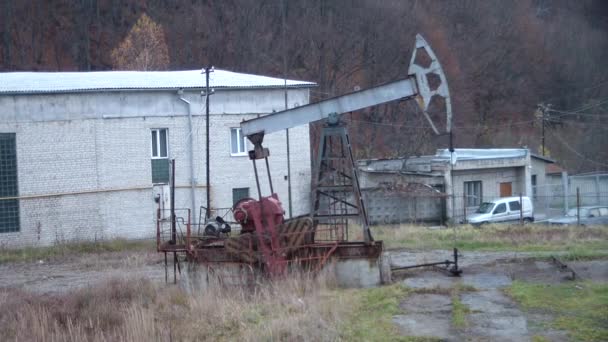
<point>300,308</point>
<point>494,237</point>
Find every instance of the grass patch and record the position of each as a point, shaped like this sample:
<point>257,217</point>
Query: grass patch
<point>67,249</point>
<point>459,312</point>
<point>587,242</point>
<point>371,317</point>
<point>580,308</point>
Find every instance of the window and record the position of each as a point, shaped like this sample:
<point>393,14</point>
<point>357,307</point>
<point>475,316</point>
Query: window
<point>237,143</point>
<point>238,194</point>
<point>514,206</point>
<point>501,208</point>
<point>9,208</point>
<point>472,193</point>
<point>160,155</point>
<point>159,143</point>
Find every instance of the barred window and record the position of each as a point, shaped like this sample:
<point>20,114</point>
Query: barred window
<point>9,189</point>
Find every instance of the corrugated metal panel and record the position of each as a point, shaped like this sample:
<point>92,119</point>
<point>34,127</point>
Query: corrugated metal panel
<point>482,153</point>
<point>66,82</point>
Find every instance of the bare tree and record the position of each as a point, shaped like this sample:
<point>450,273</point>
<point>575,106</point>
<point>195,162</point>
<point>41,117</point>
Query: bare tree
<point>144,47</point>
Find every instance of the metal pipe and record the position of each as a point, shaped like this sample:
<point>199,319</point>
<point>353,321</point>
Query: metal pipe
<point>269,177</point>
<point>74,193</point>
<point>191,152</point>
<point>257,180</point>
<point>289,202</point>
<point>173,228</point>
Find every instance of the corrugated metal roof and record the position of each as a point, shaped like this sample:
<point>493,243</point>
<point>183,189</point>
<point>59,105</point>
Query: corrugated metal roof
<point>482,153</point>
<point>67,82</point>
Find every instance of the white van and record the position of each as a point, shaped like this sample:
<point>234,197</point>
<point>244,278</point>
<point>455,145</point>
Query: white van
<point>503,210</point>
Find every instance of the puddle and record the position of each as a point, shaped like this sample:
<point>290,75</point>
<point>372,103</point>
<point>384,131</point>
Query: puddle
<point>431,280</point>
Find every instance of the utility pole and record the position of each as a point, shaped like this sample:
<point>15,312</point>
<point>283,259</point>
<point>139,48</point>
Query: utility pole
<point>207,71</point>
<point>541,113</point>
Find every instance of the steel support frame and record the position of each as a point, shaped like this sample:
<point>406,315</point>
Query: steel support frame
<point>335,178</point>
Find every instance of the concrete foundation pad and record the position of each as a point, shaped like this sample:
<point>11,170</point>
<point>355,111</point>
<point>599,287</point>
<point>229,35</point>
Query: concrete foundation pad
<point>425,325</point>
<point>425,303</point>
<point>495,317</point>
<point>356,272</point>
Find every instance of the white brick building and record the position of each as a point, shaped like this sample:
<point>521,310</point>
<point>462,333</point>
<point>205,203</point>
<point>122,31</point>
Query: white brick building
<point>77,149</point>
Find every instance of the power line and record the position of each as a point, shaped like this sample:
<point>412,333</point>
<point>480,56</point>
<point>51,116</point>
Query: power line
<point>565,113</point>
<point>453,127</point>
<point>573,150</point>
<point>602,101</point>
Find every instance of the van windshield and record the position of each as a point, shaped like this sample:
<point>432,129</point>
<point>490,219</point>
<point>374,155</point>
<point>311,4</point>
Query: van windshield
<point>485,208</point>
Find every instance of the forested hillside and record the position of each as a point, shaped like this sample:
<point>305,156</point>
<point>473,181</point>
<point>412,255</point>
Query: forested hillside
<point>503,58</point>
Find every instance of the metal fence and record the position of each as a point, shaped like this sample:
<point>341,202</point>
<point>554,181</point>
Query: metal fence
<point>440,209</point>
<point>558,197</point>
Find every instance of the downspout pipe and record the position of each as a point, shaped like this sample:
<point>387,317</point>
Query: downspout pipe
<point>180,94</point>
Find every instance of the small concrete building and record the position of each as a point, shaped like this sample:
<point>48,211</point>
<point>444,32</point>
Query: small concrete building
<point>85,155</point>
<point>443,186</point>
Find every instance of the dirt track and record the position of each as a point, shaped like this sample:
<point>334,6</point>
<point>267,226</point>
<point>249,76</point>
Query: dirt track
<point>65,274</point>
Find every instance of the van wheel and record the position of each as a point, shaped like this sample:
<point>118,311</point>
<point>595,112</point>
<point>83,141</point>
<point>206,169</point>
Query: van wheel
<point>527,220</point>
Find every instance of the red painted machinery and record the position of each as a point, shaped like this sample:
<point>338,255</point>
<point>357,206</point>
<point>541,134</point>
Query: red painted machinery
<point>263,218</point>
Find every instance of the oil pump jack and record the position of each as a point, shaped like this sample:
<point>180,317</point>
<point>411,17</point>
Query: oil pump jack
<point>272,244</point>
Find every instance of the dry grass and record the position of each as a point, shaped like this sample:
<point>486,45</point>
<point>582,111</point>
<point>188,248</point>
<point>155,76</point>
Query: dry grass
<point>495,237</point>
<point>296,309</point>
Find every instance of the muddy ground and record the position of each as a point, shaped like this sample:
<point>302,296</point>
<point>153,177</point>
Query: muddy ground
<point>68,273</point>
<point>427,313</point>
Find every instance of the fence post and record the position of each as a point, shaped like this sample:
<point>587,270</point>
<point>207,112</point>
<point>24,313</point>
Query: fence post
<point>565,188</point>
<point>578,207</point>
<point>597,188</point>
<point>521,211</point>
<point>464,207</point>
<point>415,209</point>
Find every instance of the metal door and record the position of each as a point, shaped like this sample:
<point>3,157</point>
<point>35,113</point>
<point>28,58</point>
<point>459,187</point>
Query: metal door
<point>506,189</point>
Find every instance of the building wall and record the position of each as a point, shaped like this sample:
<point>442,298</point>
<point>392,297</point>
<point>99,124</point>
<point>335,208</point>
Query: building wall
<point>490,182</point>
<point>88,176</point>
<point>390,207</point>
